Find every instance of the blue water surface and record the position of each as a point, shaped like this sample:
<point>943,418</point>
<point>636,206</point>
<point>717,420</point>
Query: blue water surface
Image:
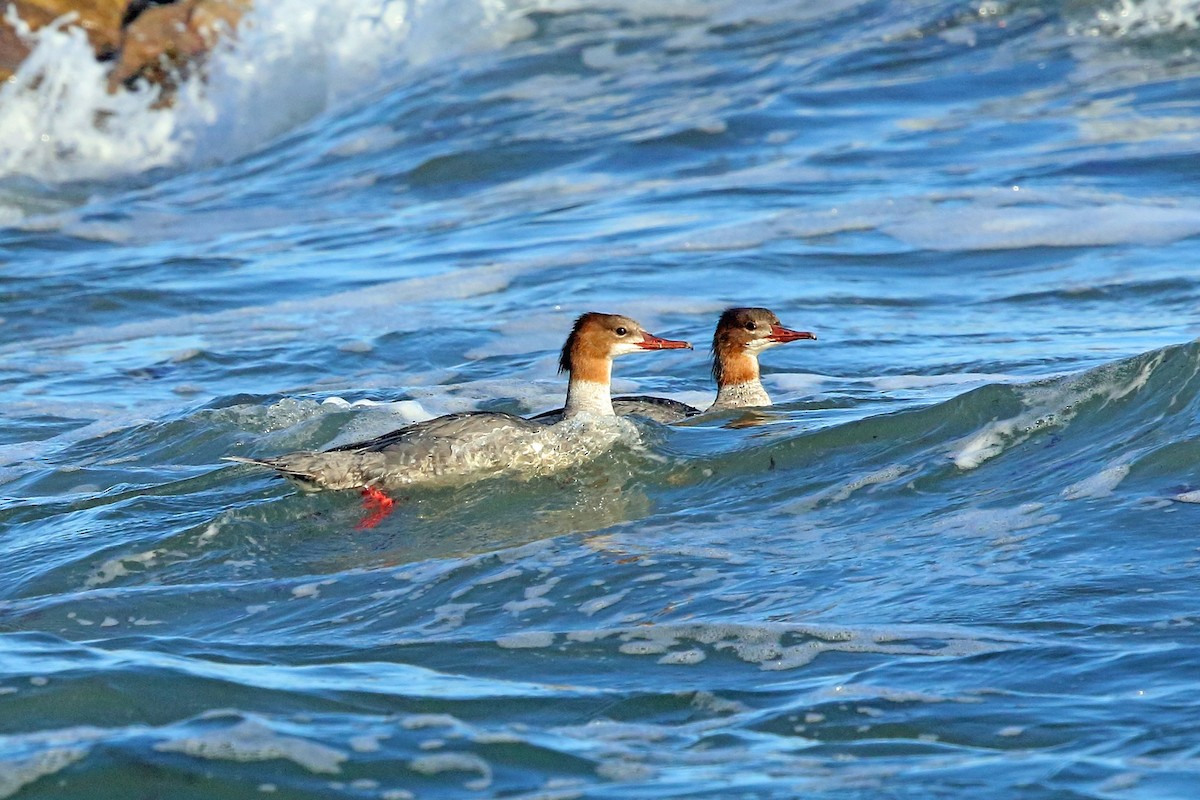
<point>957,557</point>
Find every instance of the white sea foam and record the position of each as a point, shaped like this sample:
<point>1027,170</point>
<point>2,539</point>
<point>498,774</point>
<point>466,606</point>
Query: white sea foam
<point>598,604</point>
<point>451,615</point>
<point>526,640</point>
<point>290,61</point>
<point>692,656</point>
<point>534,597</point>
<point>842,491</point>
<point>502,575</point>
<point>1099,485</point>
<point>250,740</point>
<point>413,722</point>
<point>20,772</point>
<point>1143,18</point>
<point>1051,405</point>
<point>782,647</point>
<point>310,589</point>
<point>455,762</point>
<point>115,568</point>
<point>406,409</point>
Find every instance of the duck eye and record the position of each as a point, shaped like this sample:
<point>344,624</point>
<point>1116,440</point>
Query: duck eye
<point>621,331</point>
<point>751,326</point>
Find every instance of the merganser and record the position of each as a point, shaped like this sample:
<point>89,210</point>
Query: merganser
<point>460,448</point>
<point>741,334</point>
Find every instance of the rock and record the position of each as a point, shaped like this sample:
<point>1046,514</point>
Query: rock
<point>100,20</point>
<point>166,40</point>
<point>12,51</point>
<point>150,39</point>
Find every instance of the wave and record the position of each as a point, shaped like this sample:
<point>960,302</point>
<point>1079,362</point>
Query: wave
<point>290,61</point>
<point>1069,438</point>
<point>1129,425</point>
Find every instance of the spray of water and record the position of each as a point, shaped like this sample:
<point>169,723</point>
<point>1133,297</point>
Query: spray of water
<point>289,61</point>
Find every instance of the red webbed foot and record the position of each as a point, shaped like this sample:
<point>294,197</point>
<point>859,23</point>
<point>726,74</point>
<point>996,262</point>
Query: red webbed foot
<point>377,505</point>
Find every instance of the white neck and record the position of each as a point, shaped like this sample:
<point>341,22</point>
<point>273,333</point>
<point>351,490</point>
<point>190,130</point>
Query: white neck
<point>741,395</point>
<point>588,397</point>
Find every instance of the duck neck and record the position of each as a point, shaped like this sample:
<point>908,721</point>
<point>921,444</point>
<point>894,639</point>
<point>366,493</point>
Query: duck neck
<point>589,392</point>
<point>740,385</point>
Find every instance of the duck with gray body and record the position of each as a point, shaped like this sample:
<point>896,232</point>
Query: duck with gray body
<point>465,447</point>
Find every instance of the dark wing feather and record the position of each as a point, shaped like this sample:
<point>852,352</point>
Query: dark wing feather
<point>659,409</point>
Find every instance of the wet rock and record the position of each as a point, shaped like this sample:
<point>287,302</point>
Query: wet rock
<point>12,51</point>
<point>155,40</point>
<point>100,20</point>
<point>165,41</point>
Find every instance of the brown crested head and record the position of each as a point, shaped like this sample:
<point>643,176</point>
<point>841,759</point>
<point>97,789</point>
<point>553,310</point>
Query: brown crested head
<point>740,335</point>
<point>596,338</point>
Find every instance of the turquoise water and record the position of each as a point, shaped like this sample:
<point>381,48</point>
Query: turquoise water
<point>956,558</point>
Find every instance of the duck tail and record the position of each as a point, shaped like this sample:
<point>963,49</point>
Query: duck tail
<point>279,465</point>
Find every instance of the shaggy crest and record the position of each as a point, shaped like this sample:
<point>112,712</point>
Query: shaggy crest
<point>731,334</point>
<point>573,347</point>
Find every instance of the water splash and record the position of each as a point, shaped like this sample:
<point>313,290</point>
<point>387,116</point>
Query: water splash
<point>1149,17</point>
<point>290,61</point>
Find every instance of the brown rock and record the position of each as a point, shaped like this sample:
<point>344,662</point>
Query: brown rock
<point>164,41</point>
<point>12,51</point>
<point>100,20</point>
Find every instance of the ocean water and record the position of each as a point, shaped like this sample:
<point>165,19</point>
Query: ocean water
<point>957,558</point>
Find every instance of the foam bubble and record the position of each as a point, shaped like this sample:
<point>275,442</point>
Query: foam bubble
<point>1142,18</point>
<point>643,647</point>
<point>533,597</point>
<point>408,410</point>
<point>455,762</point>
<point>251,740</point>
<point>118,567</point>
<point>783,647</point>
<point>1050,405</point>
<point>624,771</point>
<point>20,772</point>
<point>842,491</point>
<point>309,589</point>
<point>414,722</point>
<point>598,604</point>
<point>693,656</point>
<point>503,575</point>
<point>452,615</point>
<point>526,640</point>
<point>1099,485</point>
